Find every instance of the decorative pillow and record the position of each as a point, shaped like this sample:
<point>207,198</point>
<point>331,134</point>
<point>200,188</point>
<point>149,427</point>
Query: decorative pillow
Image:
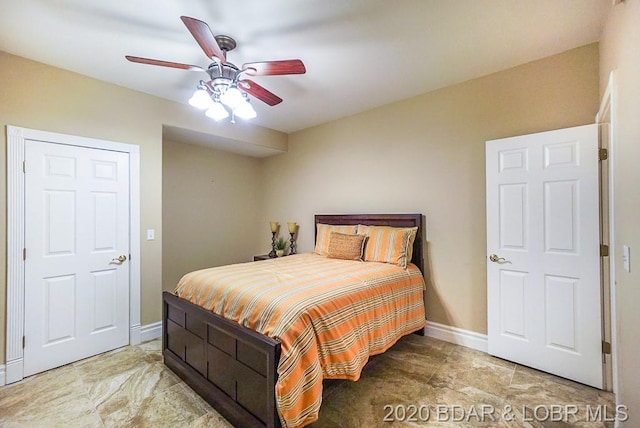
<point>388,244</point>
<point>323,233</point>
<point>346,247</point>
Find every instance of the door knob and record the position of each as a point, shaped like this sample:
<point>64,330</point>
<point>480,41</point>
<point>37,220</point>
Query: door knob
<point>121,258</point>
<point>494,258</point>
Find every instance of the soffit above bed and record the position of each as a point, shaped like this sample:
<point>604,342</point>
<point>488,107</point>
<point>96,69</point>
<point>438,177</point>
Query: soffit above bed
<point>182,135</point>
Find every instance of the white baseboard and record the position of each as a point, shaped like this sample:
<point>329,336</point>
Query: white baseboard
<point>3,380</point>
<point>456,335</point>
<point>151,331</point>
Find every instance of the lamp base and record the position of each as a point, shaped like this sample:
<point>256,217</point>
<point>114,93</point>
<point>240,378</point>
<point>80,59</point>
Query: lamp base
<point>292,245</point>
<point>272,253</point>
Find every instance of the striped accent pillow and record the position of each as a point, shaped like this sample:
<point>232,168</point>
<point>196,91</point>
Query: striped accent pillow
<point>346,247</point>
<point>388,244</point>
<point>323,232</point>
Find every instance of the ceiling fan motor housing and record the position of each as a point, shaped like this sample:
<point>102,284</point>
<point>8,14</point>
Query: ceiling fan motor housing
<point>222,76</point>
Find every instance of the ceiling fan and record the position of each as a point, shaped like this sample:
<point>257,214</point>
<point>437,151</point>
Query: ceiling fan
<point>227,90</point>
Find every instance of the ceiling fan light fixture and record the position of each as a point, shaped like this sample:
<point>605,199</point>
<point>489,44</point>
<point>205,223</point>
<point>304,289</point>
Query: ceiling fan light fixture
<point>244,110</point>
<point>201,99</point>
<point>217,112</point>
<point>232,97</point>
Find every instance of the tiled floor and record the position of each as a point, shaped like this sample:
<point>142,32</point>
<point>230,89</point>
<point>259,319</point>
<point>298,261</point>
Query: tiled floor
<point>435,382</point>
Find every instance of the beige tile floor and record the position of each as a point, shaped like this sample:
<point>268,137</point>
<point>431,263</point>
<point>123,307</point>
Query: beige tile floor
<point>130,387</point>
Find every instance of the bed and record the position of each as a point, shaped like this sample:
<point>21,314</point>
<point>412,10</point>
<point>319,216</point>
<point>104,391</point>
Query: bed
<point>233,367</point>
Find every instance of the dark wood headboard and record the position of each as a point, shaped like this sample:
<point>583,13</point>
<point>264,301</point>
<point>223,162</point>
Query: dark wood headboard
<point>395,220</point>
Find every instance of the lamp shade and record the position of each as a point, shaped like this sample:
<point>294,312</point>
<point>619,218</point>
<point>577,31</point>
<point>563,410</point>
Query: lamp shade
<point>232,97</point>
<point>201,99</point>
<point>274,226</point>
<point>244,110</point>
<point>292,226</point>
<point>217,111</point>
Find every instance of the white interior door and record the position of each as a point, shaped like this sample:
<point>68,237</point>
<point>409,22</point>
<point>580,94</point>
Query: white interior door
<point>77,226</point>
<point>543,264</point>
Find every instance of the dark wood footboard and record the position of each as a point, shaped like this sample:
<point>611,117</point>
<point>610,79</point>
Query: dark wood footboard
<point>232,367</point>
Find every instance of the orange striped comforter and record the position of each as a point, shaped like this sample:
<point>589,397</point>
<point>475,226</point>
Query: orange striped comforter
<point>329,315</point>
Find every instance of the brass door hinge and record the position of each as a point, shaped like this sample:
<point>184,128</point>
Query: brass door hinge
<point>603,154</point>
<point>606,347</point>
<point>24,254</point>
<point>604,250</point>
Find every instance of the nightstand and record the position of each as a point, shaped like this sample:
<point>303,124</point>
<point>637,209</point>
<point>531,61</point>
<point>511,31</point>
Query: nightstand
<point>261,257</point>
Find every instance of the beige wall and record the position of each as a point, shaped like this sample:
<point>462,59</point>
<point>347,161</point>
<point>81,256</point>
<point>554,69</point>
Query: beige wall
<point>426,155</point>
<point>210,205</point>
<point>34,95</point>
<point>620,47</point>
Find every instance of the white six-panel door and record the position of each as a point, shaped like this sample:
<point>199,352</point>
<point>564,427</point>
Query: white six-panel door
<point>543,266</point>
<point>77,226</point>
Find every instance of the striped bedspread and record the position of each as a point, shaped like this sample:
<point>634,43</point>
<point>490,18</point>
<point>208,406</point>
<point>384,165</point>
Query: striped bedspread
<point>329,315</point>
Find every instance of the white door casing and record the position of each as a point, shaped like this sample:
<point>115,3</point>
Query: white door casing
<point>544,302</point>
<point>607,116</point>
<point>77,231</point>
<point>16,143</point>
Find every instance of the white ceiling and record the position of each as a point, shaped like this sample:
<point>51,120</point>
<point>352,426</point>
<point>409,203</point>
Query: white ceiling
<point>359,54</point>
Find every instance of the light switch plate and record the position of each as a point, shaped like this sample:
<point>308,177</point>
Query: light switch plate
<point>626,258</point>
<point>151,234</point>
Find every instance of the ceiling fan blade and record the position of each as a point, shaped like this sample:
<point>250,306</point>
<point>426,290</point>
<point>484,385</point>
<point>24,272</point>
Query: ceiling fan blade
<point>163,63</point>
<point>274,68</point>
<point>203,35</point>
<point>252,88</point>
